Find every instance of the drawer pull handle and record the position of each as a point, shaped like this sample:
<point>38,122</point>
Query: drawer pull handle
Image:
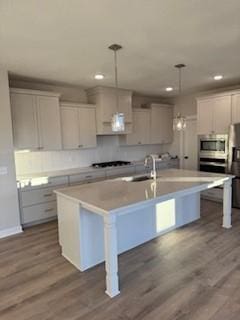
<point>48,195</point>
<point>48,210</point>
<point>88,176</point>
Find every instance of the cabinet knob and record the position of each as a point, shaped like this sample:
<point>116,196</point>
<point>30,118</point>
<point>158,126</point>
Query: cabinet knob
<point>186,157</point>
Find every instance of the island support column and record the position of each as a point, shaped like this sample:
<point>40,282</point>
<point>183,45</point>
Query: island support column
<point>227,204</point>
<point>111,255</point>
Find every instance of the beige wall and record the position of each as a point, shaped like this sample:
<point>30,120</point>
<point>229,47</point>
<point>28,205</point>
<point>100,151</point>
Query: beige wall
<point>9,212</point>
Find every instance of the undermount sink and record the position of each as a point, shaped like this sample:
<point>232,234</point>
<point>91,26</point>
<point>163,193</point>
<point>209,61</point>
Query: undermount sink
<point>136,178</point>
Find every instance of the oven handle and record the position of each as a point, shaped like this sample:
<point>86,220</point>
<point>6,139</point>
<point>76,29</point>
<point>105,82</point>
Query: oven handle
<point>216,164</point>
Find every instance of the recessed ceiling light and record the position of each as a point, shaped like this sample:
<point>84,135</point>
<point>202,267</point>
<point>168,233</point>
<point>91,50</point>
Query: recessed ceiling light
<point>218,77</point>
<point>168,89</point>
<point>99,76</point>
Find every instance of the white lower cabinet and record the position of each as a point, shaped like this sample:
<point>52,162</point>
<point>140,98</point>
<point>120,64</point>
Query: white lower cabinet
<point>39,204</point>
<point>118,172</point>
<point>31,197</point>
<point>39,212</point>
<point>86,177</point>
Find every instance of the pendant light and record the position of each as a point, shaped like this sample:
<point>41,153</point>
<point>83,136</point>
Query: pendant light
<point>118,123</point>
<point>179,122</point>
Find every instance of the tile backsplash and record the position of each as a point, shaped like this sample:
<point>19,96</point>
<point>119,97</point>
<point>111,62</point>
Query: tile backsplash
<point>108,149</point>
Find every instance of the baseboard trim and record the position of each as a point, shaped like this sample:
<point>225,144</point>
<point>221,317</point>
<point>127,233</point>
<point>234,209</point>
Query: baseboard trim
<point>10,232</point>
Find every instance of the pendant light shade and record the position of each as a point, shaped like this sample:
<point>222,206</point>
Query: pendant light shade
<point>179,122</point>
<point>118,122</point>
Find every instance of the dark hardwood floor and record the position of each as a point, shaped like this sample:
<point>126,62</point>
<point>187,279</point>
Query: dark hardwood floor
<point>191,273</point>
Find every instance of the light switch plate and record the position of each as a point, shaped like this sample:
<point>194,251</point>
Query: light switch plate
<point>3,171</point>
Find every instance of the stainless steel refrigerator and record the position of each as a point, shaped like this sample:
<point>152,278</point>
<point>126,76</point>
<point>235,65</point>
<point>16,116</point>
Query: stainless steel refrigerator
<point>234,161</point>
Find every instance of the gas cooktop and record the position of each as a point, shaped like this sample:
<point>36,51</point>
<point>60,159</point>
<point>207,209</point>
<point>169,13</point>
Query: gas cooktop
<point>111,164</point>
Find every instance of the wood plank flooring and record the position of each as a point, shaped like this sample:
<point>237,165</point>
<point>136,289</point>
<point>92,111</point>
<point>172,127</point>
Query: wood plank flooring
<point>191,273</point>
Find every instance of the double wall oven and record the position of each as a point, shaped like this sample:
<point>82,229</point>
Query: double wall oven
<point>213,153</point>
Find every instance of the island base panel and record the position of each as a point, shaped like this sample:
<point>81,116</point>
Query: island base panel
<point>82,239</point>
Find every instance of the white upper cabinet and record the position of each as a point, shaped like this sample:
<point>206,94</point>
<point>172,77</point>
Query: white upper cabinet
<point>214,114</point>
<point>161,123</point>
<point>236,108</point>
<point>36,119</point>
<point>87,127</point>
<point>105,100</point>
<point>24,117</point>
<point>49,123</point>
<point>140,128</point>
<point>70,127</point>
<point>78,125</point>
<point>204,116</point>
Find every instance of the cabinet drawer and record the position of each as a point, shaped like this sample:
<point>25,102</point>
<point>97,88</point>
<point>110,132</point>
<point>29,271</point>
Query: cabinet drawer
<point>37,183</point>
<point>32,197</point>
<point>120,171</point>
<point>39,212</point>
<point>141,168</point>
<point>173,164</point>
<point>85,177</point>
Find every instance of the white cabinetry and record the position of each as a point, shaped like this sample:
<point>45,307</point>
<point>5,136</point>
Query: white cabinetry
<point>78,126</point>
<point>105,100</point>
<point>161,123</point>
<point>140,128</point>
<point>38,203</point>
<point>24,117</point>
<point>36,120</point>
<point>214,114</point>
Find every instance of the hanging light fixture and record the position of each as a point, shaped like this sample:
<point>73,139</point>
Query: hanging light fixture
<point>179,122</point>
<point>118,123</point>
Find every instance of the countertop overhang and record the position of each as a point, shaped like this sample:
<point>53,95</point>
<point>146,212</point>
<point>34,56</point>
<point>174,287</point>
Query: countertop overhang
<point>112,196</point>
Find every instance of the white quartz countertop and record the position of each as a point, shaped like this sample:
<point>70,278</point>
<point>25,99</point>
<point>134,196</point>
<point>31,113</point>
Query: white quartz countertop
<point>111,195</point>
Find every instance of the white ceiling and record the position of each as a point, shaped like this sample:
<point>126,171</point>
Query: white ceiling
<point>66,41</point>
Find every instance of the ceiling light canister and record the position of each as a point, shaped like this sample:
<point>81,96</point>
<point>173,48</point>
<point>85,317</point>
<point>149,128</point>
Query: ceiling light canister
<point>99,76</point>
<point>218,77</point>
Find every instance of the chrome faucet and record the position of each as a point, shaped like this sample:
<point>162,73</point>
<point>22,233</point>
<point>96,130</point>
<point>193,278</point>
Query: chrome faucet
<point>153,171</point>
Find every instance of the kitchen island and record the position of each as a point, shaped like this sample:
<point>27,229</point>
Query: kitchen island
<point>98,221</point>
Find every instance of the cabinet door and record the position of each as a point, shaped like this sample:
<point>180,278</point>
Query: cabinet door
<point>141,128</point>
<point>49,123</point>
<point>205,116</point>
<point>70,128</point>
<point>87,127</point>
<point>222,114</point>
<point>236,108</point>
<point>161,124</point>
<point>25,133</point>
